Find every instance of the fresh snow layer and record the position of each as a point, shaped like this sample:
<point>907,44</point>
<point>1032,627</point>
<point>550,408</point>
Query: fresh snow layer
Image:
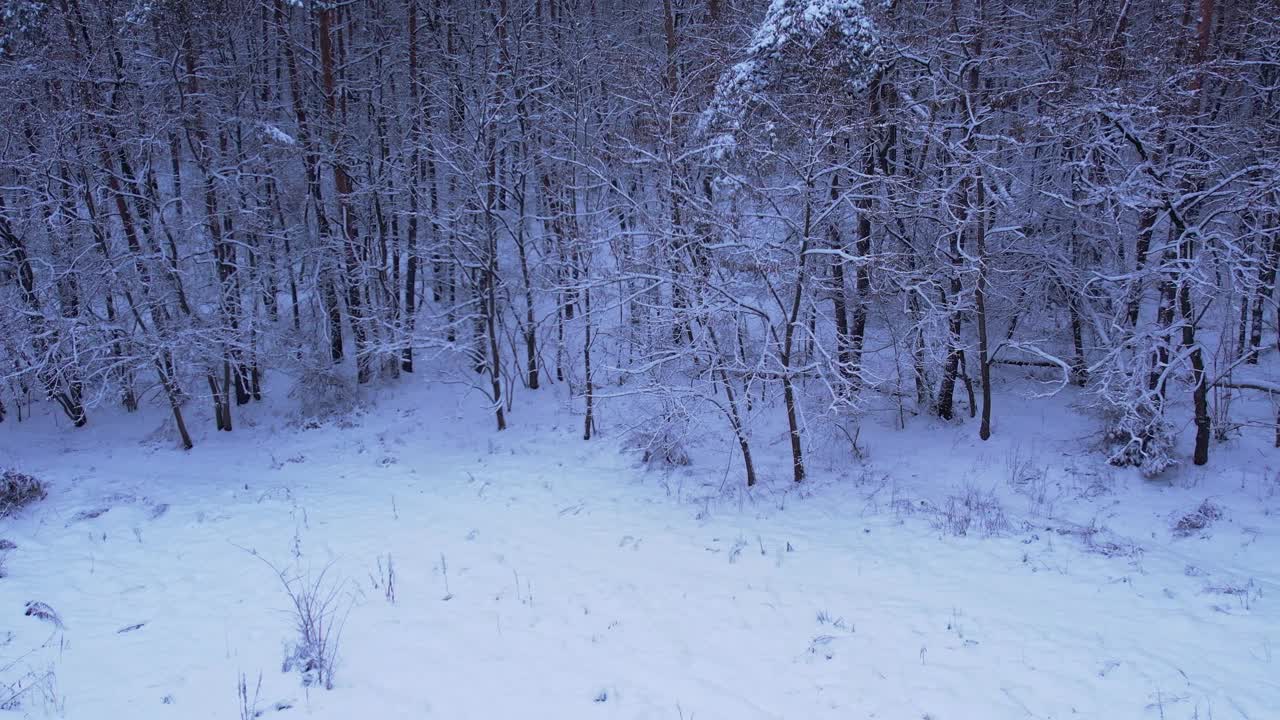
<point>540,576</point>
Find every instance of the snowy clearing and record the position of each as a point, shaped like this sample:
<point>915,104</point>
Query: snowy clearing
<point>566,583</point>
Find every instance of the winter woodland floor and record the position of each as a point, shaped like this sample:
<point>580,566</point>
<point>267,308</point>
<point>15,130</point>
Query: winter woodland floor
<point>538,576</point>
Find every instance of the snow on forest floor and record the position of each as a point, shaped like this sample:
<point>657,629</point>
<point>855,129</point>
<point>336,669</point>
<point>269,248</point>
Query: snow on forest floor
<point>538,576</point>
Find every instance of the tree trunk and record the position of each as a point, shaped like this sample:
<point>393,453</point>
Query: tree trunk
<point>343,188</point>
<point>980,302</point>
<point>311,167</point>
<point>415,174</point>
<point>793,318</point>
<point>839,301</point>
<point>1262,294</point>
<point>1199,382</point>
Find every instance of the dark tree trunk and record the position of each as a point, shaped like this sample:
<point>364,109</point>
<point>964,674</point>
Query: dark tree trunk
<point>980,303</point>
<point>1262,294</point>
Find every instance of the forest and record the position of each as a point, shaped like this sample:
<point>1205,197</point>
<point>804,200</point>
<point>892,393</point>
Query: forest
<point>807,210</point>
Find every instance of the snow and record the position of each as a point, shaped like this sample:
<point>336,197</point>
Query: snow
<point>275,133</point>
<point>541,576</point>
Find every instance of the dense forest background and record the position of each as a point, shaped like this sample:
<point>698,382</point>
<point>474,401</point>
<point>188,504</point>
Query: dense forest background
<point>794,211</point>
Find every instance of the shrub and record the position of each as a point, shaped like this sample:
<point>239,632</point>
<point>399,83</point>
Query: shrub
<point>1140,437</point>
<point>1137,433</point>
<point>319,611</point>
<point>1198,519</point>
<point>324,393</point>
<point>973,511</point>
<point>318,620</point>
<point>17,490</point>
<point>1030,478</point>
<point>663,440</point>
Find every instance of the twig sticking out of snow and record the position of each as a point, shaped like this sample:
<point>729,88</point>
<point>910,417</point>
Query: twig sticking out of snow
<point>248,707</point>
<point>444,569</point>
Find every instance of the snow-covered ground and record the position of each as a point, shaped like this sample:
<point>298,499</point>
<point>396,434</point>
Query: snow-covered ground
<point>540,576</point>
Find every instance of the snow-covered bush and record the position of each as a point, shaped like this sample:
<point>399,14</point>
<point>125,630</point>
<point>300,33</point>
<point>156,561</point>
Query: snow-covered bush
<point>324,392</point>
<point>662,441</point>
<point>836,438</point>
<point>17,490</point>
<point>663,447</point>
<point>1137,433</point>
<point>1202,517</point>
<point>318,613</point>
<point>1139,436</point>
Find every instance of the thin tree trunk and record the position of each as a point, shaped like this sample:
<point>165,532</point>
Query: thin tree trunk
<point>415,174</point>
<point>839,301</point>
<point>588,422</point>
<point>1146,226</point>
<point>1199,382</point>
<point>735,416</point>
<point>980,302</point>
<point>793,319</point>
<point>1262,294</point>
